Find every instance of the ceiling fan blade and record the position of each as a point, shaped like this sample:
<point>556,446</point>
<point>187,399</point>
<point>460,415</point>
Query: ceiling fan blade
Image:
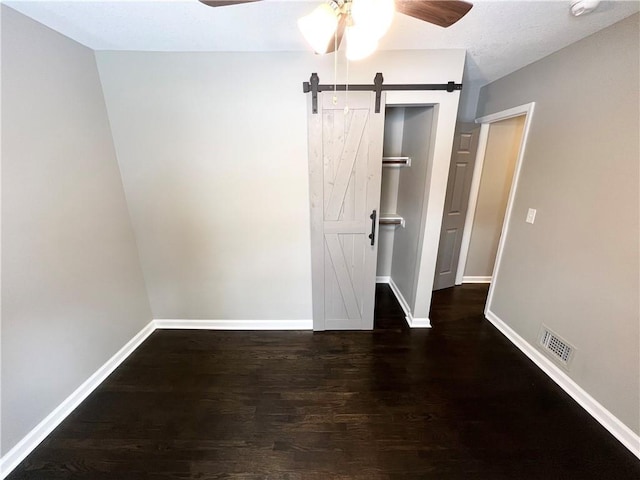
<point>440,12</point>
<point>224,3</point>
<point>342,25</point>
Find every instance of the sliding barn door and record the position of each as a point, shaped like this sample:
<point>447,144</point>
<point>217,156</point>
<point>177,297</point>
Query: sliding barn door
<point>345,162</point>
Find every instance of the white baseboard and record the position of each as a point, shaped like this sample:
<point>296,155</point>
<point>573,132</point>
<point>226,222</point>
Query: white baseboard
<point>234,324</point>
<point>469,279</point>
<point>401,300</point>
<point>418,322</point>
<point>383,279</point>
<point>411,321</point>
<point>624,434</point>
<point>30,441</point>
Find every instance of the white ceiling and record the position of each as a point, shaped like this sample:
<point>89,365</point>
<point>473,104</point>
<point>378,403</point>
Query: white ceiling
<point>499,36</point>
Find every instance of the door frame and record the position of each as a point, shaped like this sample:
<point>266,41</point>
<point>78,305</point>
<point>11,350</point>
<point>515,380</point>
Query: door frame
<point>485,125</point>
<point>445,111</point>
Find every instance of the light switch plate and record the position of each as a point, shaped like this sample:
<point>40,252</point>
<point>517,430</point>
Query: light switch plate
<point>531,215</point>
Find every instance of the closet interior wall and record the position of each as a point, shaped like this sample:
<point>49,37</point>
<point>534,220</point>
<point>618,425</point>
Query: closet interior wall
<point>407,133</point>
<point>392,147</point>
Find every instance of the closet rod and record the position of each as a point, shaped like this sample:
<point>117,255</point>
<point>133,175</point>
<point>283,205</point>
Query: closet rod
<point>391,220</point>
<point>396,161</point>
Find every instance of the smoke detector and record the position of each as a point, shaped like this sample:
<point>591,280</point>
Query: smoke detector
<point>582,7</point>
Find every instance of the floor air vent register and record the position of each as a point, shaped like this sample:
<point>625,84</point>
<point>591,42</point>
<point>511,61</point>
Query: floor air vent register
<point>557,348</point>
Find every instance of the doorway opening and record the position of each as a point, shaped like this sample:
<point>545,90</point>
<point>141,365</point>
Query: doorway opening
<point>489,198</point>
<point>525,111</point>
<point>501,146</point>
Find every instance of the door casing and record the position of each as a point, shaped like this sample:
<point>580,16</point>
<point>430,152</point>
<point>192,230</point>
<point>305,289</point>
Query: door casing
<point>528,110</point>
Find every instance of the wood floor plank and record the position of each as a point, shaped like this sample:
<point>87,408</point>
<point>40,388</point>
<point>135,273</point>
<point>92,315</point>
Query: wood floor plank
<point>454,402</point>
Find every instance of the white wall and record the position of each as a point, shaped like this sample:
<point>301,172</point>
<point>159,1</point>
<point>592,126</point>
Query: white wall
<point>72,288</point>
<point>213,153</point>
<point>577,268</point>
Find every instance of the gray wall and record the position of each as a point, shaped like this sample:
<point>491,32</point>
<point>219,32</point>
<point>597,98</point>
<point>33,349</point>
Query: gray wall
<point>212,149</point>
<point>213,153</point>
<point>392,147</point>
<point>503,145</point>
<point>72,288</point>
<point>576,269</point>
<point>416,143</point>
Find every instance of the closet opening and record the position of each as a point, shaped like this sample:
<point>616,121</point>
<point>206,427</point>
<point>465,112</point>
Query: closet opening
<point>407,150</point>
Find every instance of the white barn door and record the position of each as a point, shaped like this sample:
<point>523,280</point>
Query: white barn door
<point>345,162</point>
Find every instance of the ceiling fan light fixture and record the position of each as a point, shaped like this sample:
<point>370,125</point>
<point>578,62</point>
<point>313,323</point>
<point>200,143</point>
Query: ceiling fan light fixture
<point>360,43</point>
<point>369,20</point>
<point>319,27</point>
<point>582,7</point>
<point>373,15</point>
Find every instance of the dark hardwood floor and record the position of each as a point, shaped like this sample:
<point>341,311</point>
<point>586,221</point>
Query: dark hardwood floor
<point>454,402</point>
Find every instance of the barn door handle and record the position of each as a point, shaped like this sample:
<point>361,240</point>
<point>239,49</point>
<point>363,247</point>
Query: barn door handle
<point>372,235</point>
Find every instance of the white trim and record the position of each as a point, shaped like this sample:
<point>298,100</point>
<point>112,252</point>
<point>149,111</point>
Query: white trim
<point>525,109</point>
<point>401,300</point>
<point>624,434</point>
<point>473,201</point>
<point>411,321</point>
<point>512,112</point>
<point>470,279</point>
<point>32,439</point>
<point>383,279</point>
<point>187,324</point>
<point>419,322</point>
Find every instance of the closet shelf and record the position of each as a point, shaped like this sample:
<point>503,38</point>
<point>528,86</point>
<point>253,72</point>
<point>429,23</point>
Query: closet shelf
<point>396,161</point>
<point>391,219</point>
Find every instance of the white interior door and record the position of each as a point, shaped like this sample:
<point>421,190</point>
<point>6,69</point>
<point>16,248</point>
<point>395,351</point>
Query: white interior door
<point>345,164</point>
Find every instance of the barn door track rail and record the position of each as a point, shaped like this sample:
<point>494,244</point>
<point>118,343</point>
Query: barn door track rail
<point>314,86</point>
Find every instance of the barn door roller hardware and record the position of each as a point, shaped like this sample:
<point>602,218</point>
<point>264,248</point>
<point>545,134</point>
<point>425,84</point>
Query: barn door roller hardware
<point>314,86</point>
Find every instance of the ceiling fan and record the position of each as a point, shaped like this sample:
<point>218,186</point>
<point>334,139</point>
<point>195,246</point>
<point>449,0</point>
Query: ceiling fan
<point>364,21</point>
